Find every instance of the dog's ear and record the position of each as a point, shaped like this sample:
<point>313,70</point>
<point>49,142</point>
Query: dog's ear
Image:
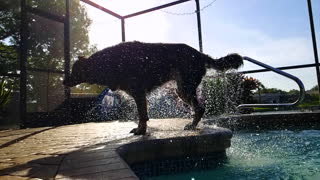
<point>82,64</point>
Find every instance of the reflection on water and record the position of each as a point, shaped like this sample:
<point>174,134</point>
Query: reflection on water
<point>267,155</point>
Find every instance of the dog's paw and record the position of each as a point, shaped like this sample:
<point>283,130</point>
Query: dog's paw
<point>190,126</point>
<point>138,131</point>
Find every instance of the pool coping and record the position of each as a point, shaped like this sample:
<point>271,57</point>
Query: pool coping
<point>211,144</point>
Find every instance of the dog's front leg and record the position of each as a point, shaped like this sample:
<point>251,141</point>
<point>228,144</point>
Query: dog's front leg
<point>141,101</point>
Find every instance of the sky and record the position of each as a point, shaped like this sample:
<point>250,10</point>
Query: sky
<point>276,32</point>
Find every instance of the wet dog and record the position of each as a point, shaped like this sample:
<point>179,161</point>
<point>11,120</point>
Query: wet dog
<point>137,68</point>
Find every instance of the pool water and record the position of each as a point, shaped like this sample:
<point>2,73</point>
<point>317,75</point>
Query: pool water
<point>265,155</point>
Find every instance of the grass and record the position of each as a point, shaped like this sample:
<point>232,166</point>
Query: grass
<point>308,104</point>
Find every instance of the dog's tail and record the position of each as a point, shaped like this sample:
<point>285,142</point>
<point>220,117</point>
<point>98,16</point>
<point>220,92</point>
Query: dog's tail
<point>231,61</point>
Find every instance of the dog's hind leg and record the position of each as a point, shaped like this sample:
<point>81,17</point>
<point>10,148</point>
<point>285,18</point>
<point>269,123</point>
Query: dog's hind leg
<point>141,102</point>
<point>187,92</point>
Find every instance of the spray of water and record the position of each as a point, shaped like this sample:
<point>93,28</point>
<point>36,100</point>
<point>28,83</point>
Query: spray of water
<point>163,102</point>
<point>222,93</point>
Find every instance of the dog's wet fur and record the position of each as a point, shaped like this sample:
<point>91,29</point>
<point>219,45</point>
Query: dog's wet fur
<point>137,68</point>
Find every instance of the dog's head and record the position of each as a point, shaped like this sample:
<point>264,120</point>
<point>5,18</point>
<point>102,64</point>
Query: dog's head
<point>78,73</point>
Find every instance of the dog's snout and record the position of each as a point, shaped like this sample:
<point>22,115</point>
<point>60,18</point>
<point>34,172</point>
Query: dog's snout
<point>66,82</point>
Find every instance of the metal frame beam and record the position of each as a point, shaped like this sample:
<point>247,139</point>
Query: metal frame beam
<point>23,62</point>
<point>314,43</point>
<point>102,8</point>
<point>123,30</point>
<point>10,75</point>
<point>46,70</point>
<point>67,48</point>
<point>155,8</point>
<point>281,68</point>
<point>199,25</point>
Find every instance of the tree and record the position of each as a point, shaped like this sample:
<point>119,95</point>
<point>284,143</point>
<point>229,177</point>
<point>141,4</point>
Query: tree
<point>293,92</point>
<point>45,42</point>
<point>9,33</point>
<point>272,91</point>
<point>315,88</point>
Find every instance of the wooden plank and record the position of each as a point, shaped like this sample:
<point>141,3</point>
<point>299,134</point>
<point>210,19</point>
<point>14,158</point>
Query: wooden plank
<point>70,164</point>
<point>91,170</point>
<point>110,175</point>
<point>90,151</point>
<point>14,177</point>
<point>92,156</point>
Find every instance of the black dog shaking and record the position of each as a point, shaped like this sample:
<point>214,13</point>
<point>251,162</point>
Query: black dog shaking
<point>137,68</point>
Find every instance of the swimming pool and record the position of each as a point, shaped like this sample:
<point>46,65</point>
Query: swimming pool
<point>265,155</point>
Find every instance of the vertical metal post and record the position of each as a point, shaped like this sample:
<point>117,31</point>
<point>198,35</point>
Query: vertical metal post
<point>199,25</point>
<point>66,42</point>
<point>123,30</point>
<point>23,63</point>
<point>67,48</point>
<point>314,42</point>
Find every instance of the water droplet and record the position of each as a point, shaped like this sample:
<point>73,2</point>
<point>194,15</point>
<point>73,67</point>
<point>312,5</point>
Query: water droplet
<point>307,143</point>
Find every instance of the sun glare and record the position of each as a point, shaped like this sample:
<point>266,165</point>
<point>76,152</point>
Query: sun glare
<point>105,29</point>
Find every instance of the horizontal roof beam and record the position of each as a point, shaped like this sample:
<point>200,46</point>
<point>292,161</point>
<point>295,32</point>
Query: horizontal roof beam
<point>9,75</point>
<point>155,8</point>
<point>102,8</point>
<point>45,70</point>
<point>281,68</point>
